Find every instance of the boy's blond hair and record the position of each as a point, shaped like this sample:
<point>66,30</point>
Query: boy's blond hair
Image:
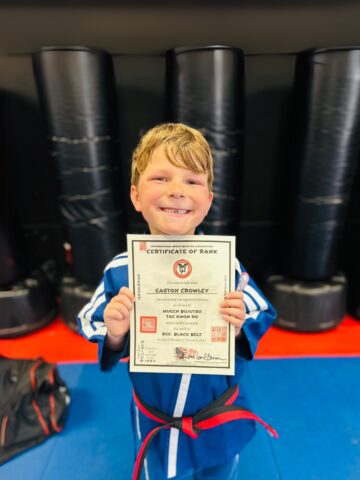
<point>184,147</point>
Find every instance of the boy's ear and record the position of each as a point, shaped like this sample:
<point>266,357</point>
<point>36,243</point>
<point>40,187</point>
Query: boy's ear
<point>134,195</point>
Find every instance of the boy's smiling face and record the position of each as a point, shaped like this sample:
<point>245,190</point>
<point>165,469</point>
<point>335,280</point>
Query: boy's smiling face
<point>172,200</point>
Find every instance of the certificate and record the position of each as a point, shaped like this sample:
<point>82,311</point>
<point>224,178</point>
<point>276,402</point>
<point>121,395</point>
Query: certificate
<point>178,283</point>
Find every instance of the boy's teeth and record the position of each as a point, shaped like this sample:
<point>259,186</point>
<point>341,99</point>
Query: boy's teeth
<point>172,210</point>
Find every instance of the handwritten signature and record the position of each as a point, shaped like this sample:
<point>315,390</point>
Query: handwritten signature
<point>183,353</point>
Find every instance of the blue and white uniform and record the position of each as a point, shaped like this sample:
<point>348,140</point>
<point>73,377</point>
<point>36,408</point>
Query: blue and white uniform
<point>181,394</point>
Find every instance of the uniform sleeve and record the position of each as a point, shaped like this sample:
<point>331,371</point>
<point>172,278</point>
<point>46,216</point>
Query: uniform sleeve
<point>91,320</point>
<point>260,314</point>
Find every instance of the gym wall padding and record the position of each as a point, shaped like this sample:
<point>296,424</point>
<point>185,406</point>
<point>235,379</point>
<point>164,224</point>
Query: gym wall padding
<point>137,36</point>
<point>29,191</point>
<point>27,305</point>
<point>27,298</point>
<point>205,89</point>
<point>140,88</point>
<point>350,251</point>
<point>326,139</point>
<point>327,144</point>
<point>77,91</point>
<point>10,268</point>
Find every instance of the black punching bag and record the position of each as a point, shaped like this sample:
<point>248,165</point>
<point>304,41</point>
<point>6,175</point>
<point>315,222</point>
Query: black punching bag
<point>205,90</point>
<point>351,250</point>
<point>10,266</point>
<point>76,88</point>
<point>327,135</point>
<point>77,91</point>
<point>328,147</point>
<point>27,300</point>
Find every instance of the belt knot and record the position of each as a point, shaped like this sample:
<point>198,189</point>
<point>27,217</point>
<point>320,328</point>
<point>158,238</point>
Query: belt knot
<point>217,413</point>
<point>186,425</point>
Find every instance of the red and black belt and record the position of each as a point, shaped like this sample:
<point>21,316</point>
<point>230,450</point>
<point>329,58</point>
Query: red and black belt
<point>216,413</point>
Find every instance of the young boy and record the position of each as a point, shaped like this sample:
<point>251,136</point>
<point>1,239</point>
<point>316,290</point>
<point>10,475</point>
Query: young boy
<point>172,175</point>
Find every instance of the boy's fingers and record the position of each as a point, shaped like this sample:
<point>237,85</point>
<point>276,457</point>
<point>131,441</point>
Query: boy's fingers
<point>124,309</point>
<point>236,294</point>
<point>120,304</point>
<point>233,303</point>
<point>126,291</point>
<point>233,312</point>
<point>234,321</point>
<point>114,314</point>
<point>122,300</point>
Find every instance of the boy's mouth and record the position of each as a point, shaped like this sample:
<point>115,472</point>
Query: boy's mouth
<point>175,211</point>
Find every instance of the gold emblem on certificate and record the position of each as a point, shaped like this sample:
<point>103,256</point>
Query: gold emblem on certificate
<point>178,283</point>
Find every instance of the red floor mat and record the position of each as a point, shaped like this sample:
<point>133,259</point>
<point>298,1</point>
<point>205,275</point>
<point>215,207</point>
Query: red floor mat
<point>342,341</point>
<point>57,343</point>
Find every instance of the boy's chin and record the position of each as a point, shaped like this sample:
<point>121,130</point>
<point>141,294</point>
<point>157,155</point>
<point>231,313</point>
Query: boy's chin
<point>174,231</point>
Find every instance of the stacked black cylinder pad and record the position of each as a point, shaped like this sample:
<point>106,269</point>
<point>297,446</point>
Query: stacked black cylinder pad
<point>76,88</point>
<point>328,148</point>
<point>27,300</point>
<point>205,89</point>
<point>351,250</point>
<point>77,92</point>
<point>327,135</point>
<point>10,268</point>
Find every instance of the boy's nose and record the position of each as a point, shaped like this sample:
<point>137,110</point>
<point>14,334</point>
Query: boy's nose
<point>176,190</point>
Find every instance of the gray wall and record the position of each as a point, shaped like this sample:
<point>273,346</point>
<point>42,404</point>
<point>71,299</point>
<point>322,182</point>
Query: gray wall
<point>259,27</point>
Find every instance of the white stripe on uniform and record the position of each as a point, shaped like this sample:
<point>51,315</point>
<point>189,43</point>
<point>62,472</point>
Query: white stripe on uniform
<point>86,314</point>
<point>250,304</point>
<point>253,315</point>
<point>261,302</point>
<point>174,432</point>
<point>117,262</point>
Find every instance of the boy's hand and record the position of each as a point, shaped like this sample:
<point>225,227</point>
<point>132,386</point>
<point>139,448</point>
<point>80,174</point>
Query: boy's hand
<point>117,317</point>
<point>232,309</point>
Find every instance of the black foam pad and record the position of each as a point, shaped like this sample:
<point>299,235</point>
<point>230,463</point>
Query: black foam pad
<point>26,305</point>
<point>11,268</point>
<point>306,306</point>
<point>354,296</point>
<point>327,139</point>
<point>77,91</point>
<point>205,89</point>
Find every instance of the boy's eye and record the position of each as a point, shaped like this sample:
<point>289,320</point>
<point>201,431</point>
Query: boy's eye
<point>194,182</point>
<point>160,179</point>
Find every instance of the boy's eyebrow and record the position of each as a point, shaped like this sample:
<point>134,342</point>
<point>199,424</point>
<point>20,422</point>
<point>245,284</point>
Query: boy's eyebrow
<point>166,172</point>
<point>158,172</point>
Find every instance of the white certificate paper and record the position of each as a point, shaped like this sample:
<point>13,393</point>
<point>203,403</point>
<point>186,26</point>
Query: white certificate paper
<point>178,283</point>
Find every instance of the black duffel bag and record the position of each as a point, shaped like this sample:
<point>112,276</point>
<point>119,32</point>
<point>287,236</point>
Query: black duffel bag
<point>33,404</point>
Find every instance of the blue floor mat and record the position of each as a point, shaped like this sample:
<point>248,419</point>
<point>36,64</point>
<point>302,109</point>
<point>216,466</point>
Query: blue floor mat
<point>313,403</point>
